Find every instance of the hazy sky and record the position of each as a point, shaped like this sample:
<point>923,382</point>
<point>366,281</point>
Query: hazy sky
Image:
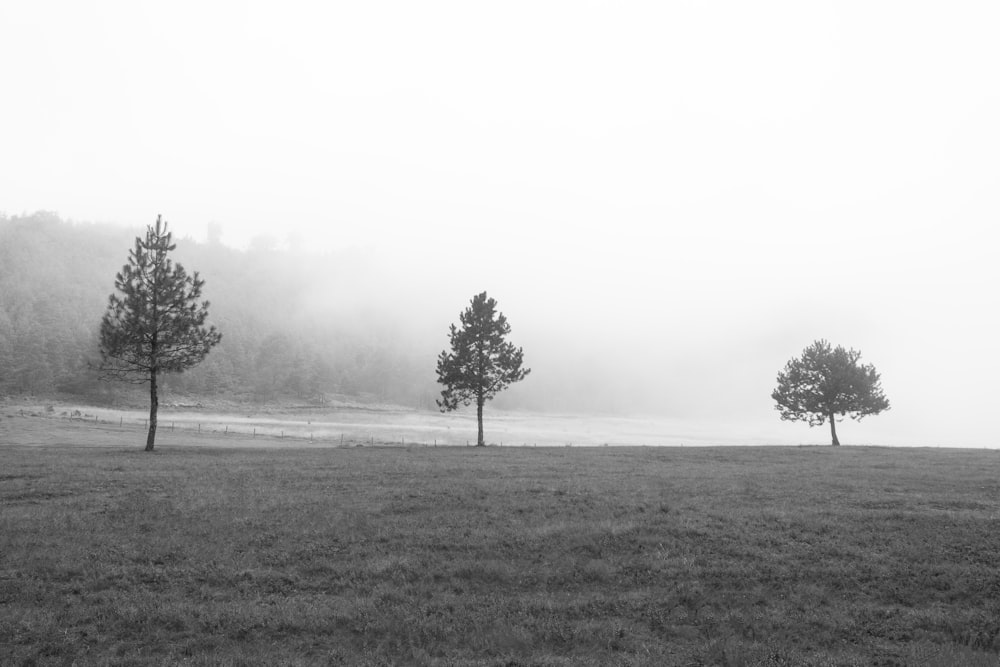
<point>683,193</point>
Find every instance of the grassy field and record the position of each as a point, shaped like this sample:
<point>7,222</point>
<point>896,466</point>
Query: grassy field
<point>492,556</point>
<point>351,424</point>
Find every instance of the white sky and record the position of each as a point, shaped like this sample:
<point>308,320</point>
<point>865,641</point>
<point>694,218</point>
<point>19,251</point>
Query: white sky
<point>709,186</point>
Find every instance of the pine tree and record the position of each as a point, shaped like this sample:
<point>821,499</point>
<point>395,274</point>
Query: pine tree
<point>826,382</point>
<point>157,324</point>
<point>481,363</point>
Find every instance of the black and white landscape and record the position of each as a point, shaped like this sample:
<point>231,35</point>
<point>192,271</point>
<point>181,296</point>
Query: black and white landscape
<point>703,235</point>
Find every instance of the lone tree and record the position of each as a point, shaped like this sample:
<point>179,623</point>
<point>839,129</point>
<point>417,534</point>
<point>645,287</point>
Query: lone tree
<point>826,382</point>
<point>481,363</point>
<point>156,325</point>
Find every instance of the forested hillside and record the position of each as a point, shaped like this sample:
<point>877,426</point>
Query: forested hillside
<point>291,331</point>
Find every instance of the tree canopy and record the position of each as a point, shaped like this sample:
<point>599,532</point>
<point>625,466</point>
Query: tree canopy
<point>481,362</point>
<point>157,323</point>
<point>826,382</point>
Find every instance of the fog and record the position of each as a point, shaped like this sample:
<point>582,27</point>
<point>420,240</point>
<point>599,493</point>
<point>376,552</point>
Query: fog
<point>668,200</point>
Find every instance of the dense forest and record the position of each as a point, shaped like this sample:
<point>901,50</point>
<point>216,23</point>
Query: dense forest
<point>291,331</point>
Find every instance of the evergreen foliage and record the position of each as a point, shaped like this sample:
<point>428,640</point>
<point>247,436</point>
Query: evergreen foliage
<point>52,281</point>
<point>298,327</point>
<point>157,325</point>
<point>481,362</point>
<point>826,382</point>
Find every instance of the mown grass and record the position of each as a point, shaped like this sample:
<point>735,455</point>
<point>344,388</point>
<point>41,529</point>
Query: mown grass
<point>714,556</point>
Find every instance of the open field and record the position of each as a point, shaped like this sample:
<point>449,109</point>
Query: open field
<point>374,425</point>
<point>353,424</point>
<point>491,556</point>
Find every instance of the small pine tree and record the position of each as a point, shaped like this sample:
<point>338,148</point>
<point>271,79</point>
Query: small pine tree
<point>481,363</point>
<point>157,324</point>
<point>826,382</point>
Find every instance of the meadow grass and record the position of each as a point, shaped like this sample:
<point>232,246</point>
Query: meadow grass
<point>492,556</point>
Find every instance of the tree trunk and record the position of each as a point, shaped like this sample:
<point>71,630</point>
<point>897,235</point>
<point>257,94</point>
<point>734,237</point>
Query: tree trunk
<point>833,430</point>
<point>154,404</point>
<point>479,414</point>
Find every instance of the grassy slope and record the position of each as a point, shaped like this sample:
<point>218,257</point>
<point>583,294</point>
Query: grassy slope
<point>493,556</point>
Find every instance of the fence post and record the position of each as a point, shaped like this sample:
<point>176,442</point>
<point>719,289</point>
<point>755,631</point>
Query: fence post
<point>255,432</point>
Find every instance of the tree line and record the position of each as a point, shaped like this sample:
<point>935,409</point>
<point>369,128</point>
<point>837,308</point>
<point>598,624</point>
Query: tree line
<point>55,277</point>
<point>155,327</point>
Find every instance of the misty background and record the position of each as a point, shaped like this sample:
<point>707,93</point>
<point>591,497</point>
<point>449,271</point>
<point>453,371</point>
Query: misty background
<point>668,202</point>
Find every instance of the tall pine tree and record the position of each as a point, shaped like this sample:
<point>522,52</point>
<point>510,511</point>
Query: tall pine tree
<point>481,363</point>
<point>156,325</point>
